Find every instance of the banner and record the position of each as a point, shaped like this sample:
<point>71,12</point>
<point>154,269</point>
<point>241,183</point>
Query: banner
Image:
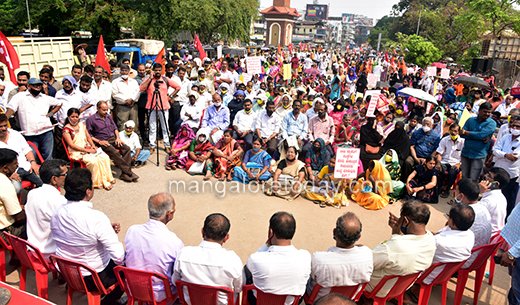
<point>9,57</point>
<point>347,162</point>
<point>198,45</point>
<point>254,65</point>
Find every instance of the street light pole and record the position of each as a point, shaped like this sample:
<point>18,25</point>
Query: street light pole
<point>28,17</point>
<point>418,23</point>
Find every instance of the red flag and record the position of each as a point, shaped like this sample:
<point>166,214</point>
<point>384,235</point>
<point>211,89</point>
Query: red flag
<point>101,58</point>
<point>348,47</point>
<point>9,57</point>
<point>199,48</point>
<point>279,49</point>
<point>321,50</point>
<point>290,48</point>
<point>386,57</point>
<point>161,59</point>
<point>300,45</point>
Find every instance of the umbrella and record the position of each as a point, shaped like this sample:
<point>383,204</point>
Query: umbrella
<point>515,91</point>
<point>382,85</point>
<point>471,81</point>
<point>439,65</point>
<point>419,94</point>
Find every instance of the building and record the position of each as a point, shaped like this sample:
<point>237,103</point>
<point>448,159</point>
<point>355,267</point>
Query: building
<point>310,31</point>
<point>280,22</point>
<point>258,30</point>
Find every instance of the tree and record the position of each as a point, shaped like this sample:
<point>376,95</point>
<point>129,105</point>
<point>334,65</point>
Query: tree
<point>498,15</point>
<point>420,51</point>
<point>211,20</point>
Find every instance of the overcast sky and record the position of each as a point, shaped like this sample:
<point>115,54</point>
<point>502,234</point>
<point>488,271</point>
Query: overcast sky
<point>370,8</point>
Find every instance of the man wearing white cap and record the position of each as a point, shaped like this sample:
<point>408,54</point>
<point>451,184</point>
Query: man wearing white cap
<point>205,100</point>
<point>131,139</point>
<point>196,64</point>
<point>225,95</point>
<point>191,113</point>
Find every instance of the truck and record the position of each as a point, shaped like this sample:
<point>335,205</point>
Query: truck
<point>137,50</point>
<point>36,52</point>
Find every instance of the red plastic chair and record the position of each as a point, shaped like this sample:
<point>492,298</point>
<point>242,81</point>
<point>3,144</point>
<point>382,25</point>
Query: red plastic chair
<point>263,298</point>
<point>441,279</point>
<point>71,272</point>
<point>82,165</point>
<point>27,184</point>
<point>4,246</point>
<point>492,264</point>
<point>31,258</point>
<point>138,286</point>
<point>479,265</point>
<point>353,292</point>
<point>397,291</point>
<point>33,146</point>
<point>200,294</point>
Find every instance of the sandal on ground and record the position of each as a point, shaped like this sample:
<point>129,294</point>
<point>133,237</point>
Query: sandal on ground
<point>323,205</point>
<point>168,168</point>
<point>108,188</point>
<point>451,202</point>
<point>206,178</point>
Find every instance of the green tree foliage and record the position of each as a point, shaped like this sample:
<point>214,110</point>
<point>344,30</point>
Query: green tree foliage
<point>211,20</point>
<point>420,51</point>
<point>498,15</point>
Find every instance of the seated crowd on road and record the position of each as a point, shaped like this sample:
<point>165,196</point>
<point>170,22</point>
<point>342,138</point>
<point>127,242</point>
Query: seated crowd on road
<point>216,120</point>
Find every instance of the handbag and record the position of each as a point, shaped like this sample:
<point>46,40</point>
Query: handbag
<point>371,149</point>
<point>197,168</point>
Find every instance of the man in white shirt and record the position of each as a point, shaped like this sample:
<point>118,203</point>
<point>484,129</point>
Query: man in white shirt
<point>131,139</point>
<point>12,217</point>
<point>179,99</point>
<point>449,158</point>
<point>514,114</point>
<point>345,264</point>
<point>102,89</point>
<point>267,127</point>
<point>278,267</point>
<point>86,235</point>
<point>209,264</point>
<point>125,92</point>
<point>152,246</point>
<point>205,99</point>
<point>191,112</point>
<point>467,191</point>
<point>493,199</point>
<point>307,64</point>
<point>8,86</point>
<point>88,99</point>
<point>28,169</point>
<point>225,76</point>
<point>42,203</point>
<point>243,125</point>
<point>410,249</point>
<point>32,108</point>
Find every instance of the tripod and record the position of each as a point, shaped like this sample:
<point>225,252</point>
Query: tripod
<point>157,106</point>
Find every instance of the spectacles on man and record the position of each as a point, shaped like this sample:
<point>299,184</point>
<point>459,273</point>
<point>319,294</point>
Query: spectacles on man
<point>65,174</point>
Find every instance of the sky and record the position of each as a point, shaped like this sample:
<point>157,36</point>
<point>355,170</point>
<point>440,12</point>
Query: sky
<point>370,8</point>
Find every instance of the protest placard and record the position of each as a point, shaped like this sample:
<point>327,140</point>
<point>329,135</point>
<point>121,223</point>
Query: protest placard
<point>347,162</point>
<point>254,65</point>
<point>287,71</point>
<point>445,73</point>
<point>372,80</point>
<point>219,51</point>
<point>432,71</point>
<point>372,105</point>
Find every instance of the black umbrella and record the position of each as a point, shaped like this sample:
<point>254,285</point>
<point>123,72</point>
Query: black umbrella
<point>383,85</point>
<point>471,81</point>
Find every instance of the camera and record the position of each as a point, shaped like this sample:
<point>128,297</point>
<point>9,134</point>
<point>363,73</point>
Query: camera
<point>157,83</point>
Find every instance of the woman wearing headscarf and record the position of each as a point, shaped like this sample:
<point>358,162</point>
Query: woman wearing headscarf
<point>335,85</point>
<point>285,106</point>
<point>438,121</point>
<point>362,83</point>
<point>370,140</point>
<point>390,161</point>
<point>338,111</point>
<point>255,166</point>
<point>201,149</point>
<point>288,178</point>
<point>399,141</point>
<point>351,79</point>
<point>316,158</point>
<point>180,148</point>
<point>372,191</point>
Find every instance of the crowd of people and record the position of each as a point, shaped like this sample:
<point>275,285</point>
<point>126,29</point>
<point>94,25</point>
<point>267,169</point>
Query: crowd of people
<point>216,120</point>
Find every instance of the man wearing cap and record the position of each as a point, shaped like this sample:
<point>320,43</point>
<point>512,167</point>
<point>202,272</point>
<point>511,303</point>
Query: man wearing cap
<point>210,75</point>
<point>131,139</point>
<point>196,64</point>
<point>205,100</point>
<point>33,112</point>
<point>191,113</point>
<point>125,92</point>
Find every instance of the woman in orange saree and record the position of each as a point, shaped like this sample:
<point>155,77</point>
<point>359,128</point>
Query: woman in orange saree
<point>227,155</point>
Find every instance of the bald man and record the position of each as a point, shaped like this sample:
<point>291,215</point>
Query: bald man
<point>105,134</point>
<point>152,246</point>
<point>334,299</point>
<point>345,264</point>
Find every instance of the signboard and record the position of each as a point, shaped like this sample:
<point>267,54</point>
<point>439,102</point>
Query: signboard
<point>317,12</point>
<point>254,65</point>
<point>372,105</point>
<point>347,162</point>
<point>219,52</point>
<point>432,71</point>
<point>347,18</point>
<point>287,71</point>
<point>445,73</point>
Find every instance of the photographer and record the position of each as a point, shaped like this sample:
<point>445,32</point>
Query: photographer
<point>160,105</point>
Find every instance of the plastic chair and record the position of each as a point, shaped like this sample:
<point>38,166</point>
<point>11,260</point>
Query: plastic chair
<point>441,279</point>
<point>27,184</point>
<point>138,286</point>
<point>200,294</point>
<point>492,264</point>
<point>353,292</point>
<point>479,265</point>
<point>4,246</point>
<point>397,291</point>
<point>82,165</point>
<point>31,258</point>
<point>263,298</point>
<point>71,272</point>
<point>35,148</point>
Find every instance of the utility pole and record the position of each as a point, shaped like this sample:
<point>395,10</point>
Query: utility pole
<point>28,17</point>
<point>418,23</point>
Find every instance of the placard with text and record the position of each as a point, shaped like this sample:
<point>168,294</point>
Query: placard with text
<point>347,162</point>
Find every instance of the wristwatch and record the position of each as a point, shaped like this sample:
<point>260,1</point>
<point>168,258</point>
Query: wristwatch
<point>511,257</point>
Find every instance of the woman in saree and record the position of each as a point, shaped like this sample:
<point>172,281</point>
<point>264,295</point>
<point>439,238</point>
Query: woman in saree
<point>399,141</point>
<point>370,140</point>
<point>346,135</point>
<point>327,189</point>
<point>372,192</point>
<point>317,157</point>
<point>350,85</point>
<point>338,111</point>
<point>180,148</point>
<point>336,85</point>
<point>391,162</point>
<point>227,155</point>
<point>255,166</point>
<point>422,182</point>
<point>201,149</point>
<point>82,148</point>
<point>289,177</point>
<point>387,124</point>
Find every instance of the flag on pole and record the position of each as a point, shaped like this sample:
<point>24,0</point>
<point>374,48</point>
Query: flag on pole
<point>386,57</point>
<point>9,57</point>
<point>101,58</point>
<point>300,45</point>
<point>290,48</point>
<point>199,47</point>
<point>161,59</point>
